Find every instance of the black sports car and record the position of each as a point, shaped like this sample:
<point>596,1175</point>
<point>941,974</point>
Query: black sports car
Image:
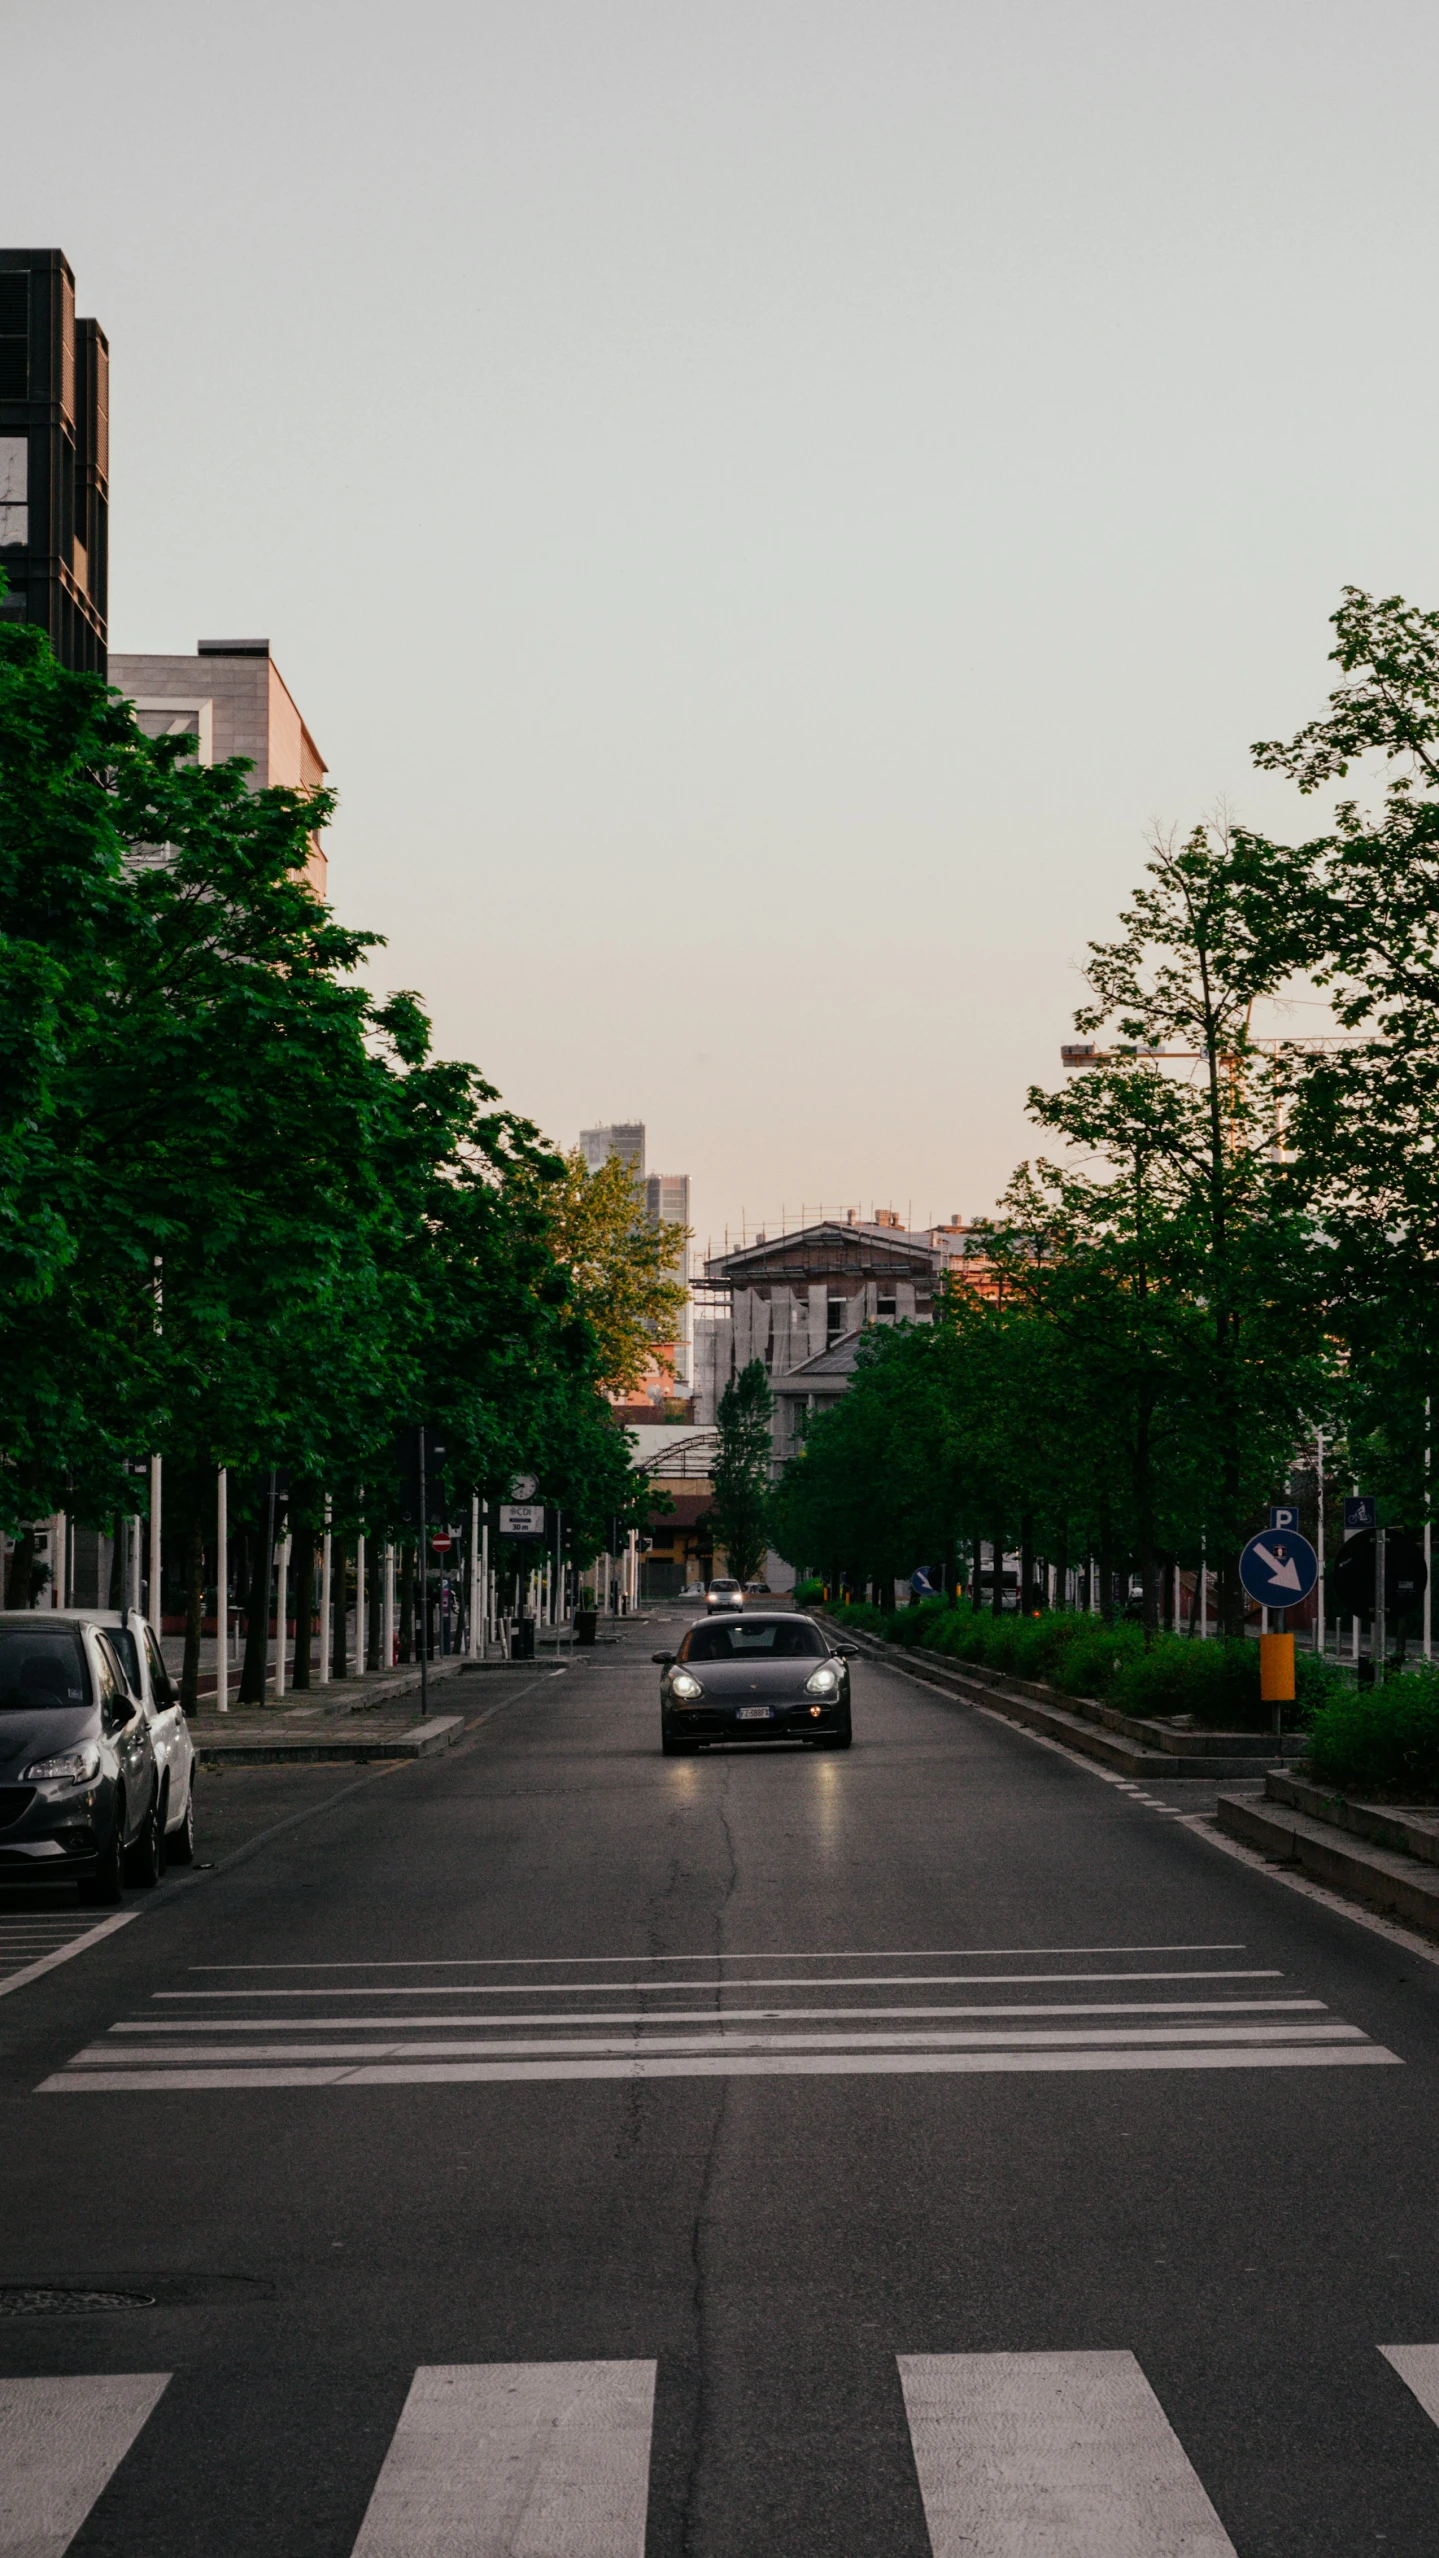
<point>755,1678</point>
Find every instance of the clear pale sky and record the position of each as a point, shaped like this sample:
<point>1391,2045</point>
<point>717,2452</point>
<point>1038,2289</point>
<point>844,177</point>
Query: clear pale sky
<point>761,506</point>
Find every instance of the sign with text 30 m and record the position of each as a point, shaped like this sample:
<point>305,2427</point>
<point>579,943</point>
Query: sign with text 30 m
<point>522,1518</point>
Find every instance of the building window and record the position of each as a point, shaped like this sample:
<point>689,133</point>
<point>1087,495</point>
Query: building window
<point>886,1305</point>
<point>14,490</point>
<point>834,1325</point>
<point>14,337</point>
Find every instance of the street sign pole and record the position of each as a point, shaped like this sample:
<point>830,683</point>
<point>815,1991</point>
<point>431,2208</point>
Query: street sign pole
<point>1319,1543</point>
<point>1380,1628</point>
<point>423,1560</point>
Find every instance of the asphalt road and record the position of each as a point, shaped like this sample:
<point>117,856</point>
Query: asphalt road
<point>1052,2192</point>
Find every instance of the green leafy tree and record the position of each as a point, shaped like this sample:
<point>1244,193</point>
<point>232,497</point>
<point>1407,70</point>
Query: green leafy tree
<point>739,1513</point>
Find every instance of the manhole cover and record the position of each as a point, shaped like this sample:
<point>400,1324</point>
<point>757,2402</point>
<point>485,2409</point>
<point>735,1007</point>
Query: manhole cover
<point>35,2300</point>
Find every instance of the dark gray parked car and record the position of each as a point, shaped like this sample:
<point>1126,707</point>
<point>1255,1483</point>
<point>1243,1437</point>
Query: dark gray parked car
<point>755,1678</point>
<point>79,1785</point>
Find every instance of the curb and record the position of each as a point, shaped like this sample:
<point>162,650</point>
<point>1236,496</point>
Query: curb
<point>1385,1878</point>
<point>1023,1703</point>
<point>416,1741</point>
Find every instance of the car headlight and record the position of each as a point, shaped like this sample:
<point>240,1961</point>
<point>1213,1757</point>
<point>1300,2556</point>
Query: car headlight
<point>822,1682</point>
<point>684,1686</point>
<point>68,1767</point>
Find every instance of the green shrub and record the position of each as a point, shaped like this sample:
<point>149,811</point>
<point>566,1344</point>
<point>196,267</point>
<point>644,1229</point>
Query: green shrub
<point>858,1612</point>
<point>808,1594</point>
<point>1380,1740</point>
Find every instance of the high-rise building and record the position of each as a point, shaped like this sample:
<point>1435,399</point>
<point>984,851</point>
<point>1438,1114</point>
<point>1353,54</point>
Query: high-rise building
<point>625,1139</point>
<point>232,699</point>
<point>666,1197</point>
<point>54,458</point>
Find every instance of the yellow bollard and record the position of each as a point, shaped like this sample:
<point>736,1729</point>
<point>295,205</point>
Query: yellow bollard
<point>1276,1669</point>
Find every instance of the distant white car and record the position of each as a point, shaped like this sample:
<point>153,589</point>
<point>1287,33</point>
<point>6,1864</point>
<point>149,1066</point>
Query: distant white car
<point>724,1594</point>
<point>143,1663</point>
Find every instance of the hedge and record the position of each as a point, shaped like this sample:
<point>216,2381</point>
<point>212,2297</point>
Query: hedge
<point>1381,1741</point>
<point>1217,1683</point>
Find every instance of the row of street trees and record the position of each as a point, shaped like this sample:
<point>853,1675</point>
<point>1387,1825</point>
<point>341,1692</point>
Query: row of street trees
<point>1237,1247</point>
<point>247,1218</point>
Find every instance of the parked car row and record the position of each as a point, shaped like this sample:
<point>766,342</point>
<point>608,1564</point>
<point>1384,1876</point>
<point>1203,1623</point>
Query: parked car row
<point>97,1767</point>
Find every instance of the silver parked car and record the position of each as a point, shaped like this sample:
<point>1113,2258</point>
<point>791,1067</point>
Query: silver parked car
<point>80,1794</point>
<point>143,1662</point>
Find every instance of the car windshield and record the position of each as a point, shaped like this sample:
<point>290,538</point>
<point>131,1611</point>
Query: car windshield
<point>40,1666</point>
<point>772,1639</point>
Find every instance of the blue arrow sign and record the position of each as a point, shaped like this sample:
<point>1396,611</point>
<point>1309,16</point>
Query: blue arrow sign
<point>1278,1568</point>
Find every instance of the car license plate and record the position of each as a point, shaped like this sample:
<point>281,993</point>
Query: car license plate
<point>755,1713</point>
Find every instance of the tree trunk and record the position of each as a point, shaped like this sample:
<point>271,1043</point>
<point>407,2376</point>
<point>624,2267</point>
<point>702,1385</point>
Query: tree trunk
<point>372,1630</point>
<point>1026,1564</point>
<point>1106,1569</point>
<point>1144,1514</point>
<point>194,1596</point>
<point>407,1604</point>
<point>303,1554</point>
<point>257,1619</point>
<point>22,1566</point>
<point>997,1595</point>
<point>339,1595</point>
<point>117,1565</point>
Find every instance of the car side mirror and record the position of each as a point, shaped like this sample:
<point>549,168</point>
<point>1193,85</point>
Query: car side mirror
<point>117,1713</point>
<point>848,1651</point>
<point>663,1658</point>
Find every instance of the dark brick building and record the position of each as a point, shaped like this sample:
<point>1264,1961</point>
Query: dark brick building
<point>54,457</point>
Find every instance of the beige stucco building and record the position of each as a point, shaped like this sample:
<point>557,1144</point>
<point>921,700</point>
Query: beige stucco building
<point>233,700</point>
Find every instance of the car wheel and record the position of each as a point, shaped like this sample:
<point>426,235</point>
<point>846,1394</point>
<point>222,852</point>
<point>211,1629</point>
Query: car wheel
<point>672,1748</point>
<point>839,1740</point>
<point>106,1886</point>
<point>180,1842</point>
<point>145,1862</point>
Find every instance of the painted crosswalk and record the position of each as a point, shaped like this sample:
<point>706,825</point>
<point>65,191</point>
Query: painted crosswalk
<point>975,2012</point>
<point>1017,2455</point>
<point>1052,2456</point>
<point>535,2459</point>
<point>60,2443</point>
<point>35,1941</point>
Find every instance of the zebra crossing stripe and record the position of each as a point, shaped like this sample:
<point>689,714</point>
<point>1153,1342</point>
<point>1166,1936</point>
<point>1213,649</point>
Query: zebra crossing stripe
<point>1418,2365</point>
<point>1052,2456</point>
<point>125,2082</point>
<point>60,2443</point>
<point>516,2460</point>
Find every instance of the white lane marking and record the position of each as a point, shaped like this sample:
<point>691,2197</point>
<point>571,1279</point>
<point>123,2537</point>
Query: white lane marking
<point>1052,2456</point>
<point>60,2442</point>
<point>875,1954</point>
<point>528,2047</point>
<point>877,1981</point>
<point>516,2460</point>
<point>63,1953</point>
<point>717,2015</point>
<point>719,2065</point>
<point>1418,2366</point>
